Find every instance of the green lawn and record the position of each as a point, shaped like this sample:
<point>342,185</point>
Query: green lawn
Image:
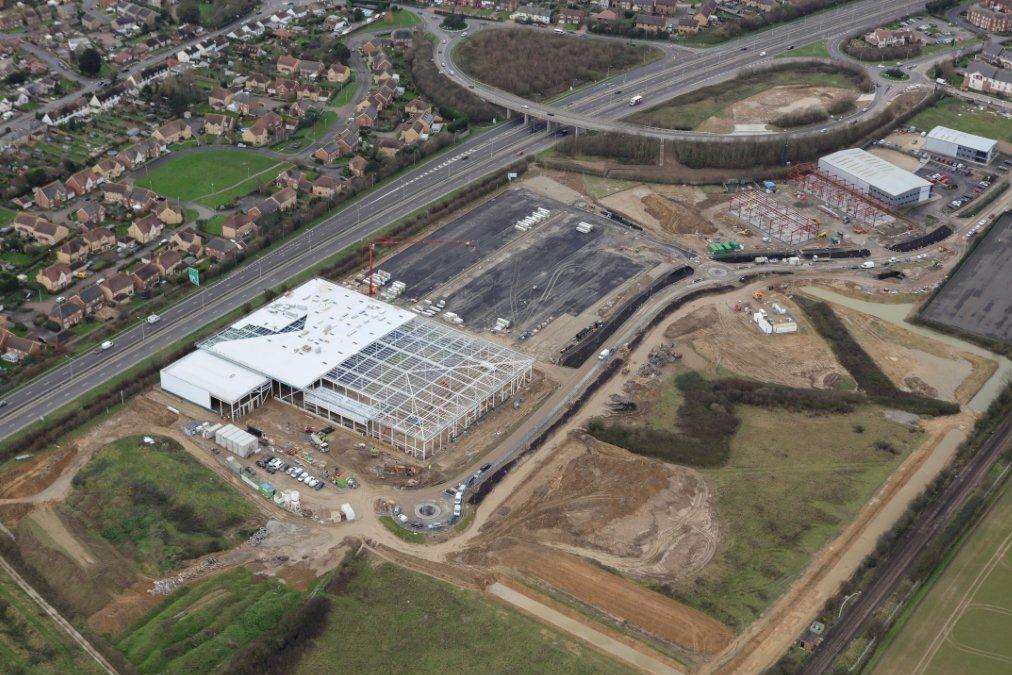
<point>344,96</point>
<point>15,258</point>
<point>158,505</point>
<point>200,627</point>
<point>390,620</point>
<point>815,49</point>
<point>956,114</point>
<point>402,19</point>
<point>6,216</point>
<point>29,640</point>
<point>688,111</point>
<point>213,225</point>
<point>211,178</point>
<point>980,574</point>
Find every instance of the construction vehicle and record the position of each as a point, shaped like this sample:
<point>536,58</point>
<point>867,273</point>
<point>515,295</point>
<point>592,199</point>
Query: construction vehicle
<point>400,469</point>
<point>758,295</point>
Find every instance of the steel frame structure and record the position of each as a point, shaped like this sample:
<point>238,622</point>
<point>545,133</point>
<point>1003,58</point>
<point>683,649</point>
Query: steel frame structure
<point>841,194</point>
<point>764,213</point>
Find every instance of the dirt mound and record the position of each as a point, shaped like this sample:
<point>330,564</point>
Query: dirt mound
<point>675,217</point>
<point>33,475</point>
<point>697,319</point>
<point>84,571</point>
<point>638,515</point>
<point>153,412</point>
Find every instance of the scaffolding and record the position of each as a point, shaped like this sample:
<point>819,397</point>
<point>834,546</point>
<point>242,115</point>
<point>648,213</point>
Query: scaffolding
<point>843,196</point>
<point>774,220</point>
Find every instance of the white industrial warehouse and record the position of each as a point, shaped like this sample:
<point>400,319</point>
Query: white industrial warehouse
<point>353,360</point>
<point>876,177</point>
<point>961,145</point>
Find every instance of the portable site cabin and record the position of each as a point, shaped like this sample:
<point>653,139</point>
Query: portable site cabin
<point>236,441</point>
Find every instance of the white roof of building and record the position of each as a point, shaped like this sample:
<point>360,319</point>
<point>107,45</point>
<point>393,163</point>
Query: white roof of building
<point>299,337</point>
<point>876,171</point>
<point>962,138</point>
<point>223,380</point>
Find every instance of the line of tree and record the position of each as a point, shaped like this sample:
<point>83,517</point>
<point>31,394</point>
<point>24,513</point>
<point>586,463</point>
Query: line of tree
<point>869,377</point>
<point>706,422</point>
<point>454,101</point>
<point>781,13</point>
<point>750,152</point>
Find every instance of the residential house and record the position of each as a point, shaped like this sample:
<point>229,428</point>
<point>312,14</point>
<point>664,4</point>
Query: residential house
<point>285,198</point>
<point>217,125</point>
<point>173,132</point>
<point>39,229</point>
<point>81,183</point>
<point>310,69</point>
<point>73,251</point>
<point>367,117</point>
<point>357,165</point>
<point>666,7</point>
<point>15,348</point>
<point>649,23</point>
<point>90,213</point>
<point>532,14</point>
<point>118,288</point>
<point>237,226</point>
<point>116,193</point>
<point>93,298</point>
<point>219,249</point>
<point>994,16</point>
<point>287,65</point>
<point>567,15</point>
<point>997,54</point>
<point>55,278</point>
<point>220,98</point>
<point>168,262</point>
<point>68,313</point>
<point>188,241</point>
<point>145,230</point>
<point>50,195</point>
<point>338,73</point>
<point>169,211</point>
<point>98,239</point>
<point>988,79</point>
<point>141,200</point>
<point>884,37</point>
<point>146,277</point>
<point>326,186</point>
<point>107,169</point>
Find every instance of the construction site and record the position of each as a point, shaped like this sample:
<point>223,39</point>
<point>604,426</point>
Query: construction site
<point>521,268</point>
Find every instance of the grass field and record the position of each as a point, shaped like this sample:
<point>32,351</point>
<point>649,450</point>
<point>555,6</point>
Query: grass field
<point>402,19</point>
<point>690,110</point>
<point>6,216</point>
<point>211,178</point>
<point>158,505</point>
<point>200,627</point>
<point>790,482</point>
<point>961,623</point>
<point>391,620</point>
<point>29,640</point>
<point>956,114</point>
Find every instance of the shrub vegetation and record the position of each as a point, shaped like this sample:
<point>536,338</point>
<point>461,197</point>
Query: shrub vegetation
<point>540,65</point>
<point>863,369</point>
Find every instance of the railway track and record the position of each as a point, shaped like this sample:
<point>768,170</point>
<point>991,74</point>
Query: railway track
<point>892,571</point>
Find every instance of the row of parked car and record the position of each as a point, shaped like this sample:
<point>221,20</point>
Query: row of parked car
<point>272,465</point>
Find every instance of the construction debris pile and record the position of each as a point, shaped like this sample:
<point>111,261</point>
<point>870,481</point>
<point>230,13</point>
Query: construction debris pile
<point>660,356</point>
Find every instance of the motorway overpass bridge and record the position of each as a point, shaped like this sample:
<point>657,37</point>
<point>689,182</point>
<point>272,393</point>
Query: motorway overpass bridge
<point>682,70</point>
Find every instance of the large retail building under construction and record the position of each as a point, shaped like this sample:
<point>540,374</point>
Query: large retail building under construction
<point>366,365</point>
